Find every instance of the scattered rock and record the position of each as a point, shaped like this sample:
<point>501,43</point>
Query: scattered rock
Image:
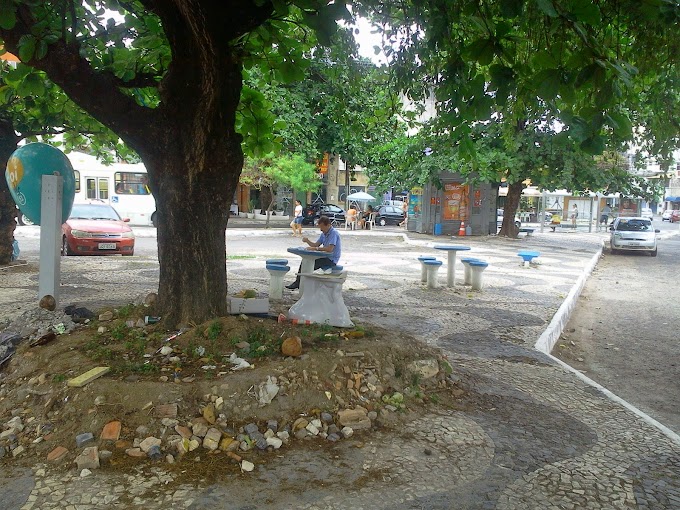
<point>88,459</point>
<point>111,431</point>
<point>83,439</point>
<point>57,455</point>
<point>212,439</point>
<point>292,346</point>
<point>357,418</point>
<point>148,443</point>
<point>106,316</point>
<point>423,368</point>
<point>48,302</point>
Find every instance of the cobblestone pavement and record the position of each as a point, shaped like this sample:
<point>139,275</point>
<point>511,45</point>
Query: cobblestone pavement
<point>541,439</point>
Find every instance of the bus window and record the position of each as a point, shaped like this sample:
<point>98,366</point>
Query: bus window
<point>76,174</point>
<point>131,183</point>
<point>104,189</point>
<point>97,188</point>
<point>91,188</point>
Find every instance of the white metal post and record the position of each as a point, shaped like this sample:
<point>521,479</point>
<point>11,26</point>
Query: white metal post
<point>51,198</point>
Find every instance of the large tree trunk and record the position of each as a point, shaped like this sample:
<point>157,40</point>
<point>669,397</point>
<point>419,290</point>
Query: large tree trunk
<point>193,174</point>
<point>509,229</point>
<point>192,219</point>
<point>8,210</point>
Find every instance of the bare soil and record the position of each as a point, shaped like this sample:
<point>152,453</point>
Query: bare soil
<point>338,369</point>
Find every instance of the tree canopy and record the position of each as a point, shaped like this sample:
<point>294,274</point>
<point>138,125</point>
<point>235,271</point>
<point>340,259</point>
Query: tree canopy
<point>167,77</point>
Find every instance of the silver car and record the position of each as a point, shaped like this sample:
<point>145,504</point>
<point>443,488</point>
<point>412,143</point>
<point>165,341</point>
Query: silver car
<point>633,234</point>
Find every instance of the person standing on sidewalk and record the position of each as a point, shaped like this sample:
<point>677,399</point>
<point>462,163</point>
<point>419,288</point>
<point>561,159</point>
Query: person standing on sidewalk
<point>574,215</point>
<point>296,224</point>
<point>328,242</point>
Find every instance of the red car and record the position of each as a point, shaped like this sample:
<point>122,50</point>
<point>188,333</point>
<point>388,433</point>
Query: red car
<point>95,228</point>
<point>675,216</point>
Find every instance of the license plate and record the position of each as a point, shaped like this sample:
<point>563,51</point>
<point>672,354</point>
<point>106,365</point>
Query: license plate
<point>633,244</point>
<point>107,246</point>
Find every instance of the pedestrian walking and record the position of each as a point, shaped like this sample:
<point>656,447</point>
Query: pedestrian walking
<point>296,224</point>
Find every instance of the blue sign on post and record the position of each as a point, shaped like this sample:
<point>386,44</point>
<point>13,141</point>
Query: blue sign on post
<point>25,169</point>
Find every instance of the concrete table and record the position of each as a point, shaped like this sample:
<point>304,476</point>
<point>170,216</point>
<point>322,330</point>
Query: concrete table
<point>451,249</point>
<point>308,258</point>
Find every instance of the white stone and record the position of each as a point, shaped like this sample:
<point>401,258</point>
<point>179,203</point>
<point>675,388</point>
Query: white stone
<point>85,472</point>
<point>347,432</point>
<point>148,443</point>
<point>165,350</point>
<point>275,442</point>
<point>425,368</point>
<point>246,465</point>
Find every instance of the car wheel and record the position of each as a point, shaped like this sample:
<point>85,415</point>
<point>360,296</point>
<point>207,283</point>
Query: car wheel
<point>65,250</point>
<point>22,219</point>
<point>382,222</point>
<point>518,224</point>
<point>653,254</point>
<point>153,219</point>
<point>128,254</point>
<point>614,251</point>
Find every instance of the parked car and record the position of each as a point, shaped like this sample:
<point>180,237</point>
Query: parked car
<point>666,216</point>
<point>499,219</point>
<point>313,212</point>
<point>647,213</point>
<point>389,214</point>
<point>675,216</point>
<point>95,228</point>
<point>633,234</point>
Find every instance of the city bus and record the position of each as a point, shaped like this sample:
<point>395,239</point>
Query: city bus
<point>123,186</point>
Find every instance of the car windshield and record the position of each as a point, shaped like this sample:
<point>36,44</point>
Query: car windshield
<point>93,212</point>
<point>634,225</point>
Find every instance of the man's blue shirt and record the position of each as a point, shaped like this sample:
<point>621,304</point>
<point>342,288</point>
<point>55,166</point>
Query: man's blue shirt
<point>332,237</point>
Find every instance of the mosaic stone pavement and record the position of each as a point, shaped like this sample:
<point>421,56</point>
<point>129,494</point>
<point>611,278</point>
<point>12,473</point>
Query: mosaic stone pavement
<point>536,438</point>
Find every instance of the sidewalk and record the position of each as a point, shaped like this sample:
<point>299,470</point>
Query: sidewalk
<point>544,438</point>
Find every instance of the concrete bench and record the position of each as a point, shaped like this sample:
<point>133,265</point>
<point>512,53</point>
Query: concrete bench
<point>432,266</point>
<point>477,267</point>
<point>276,274</point>
<point>527,231</point>
<point>528,256</point>
<point>467,273</point>
<point>423,267</point>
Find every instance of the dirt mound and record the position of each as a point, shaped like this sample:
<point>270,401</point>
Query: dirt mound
<point>222,386</point>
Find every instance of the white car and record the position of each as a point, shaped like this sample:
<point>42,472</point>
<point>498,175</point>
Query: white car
<point>633,234</point>
<point>647,213</point>
<point>666,216</point>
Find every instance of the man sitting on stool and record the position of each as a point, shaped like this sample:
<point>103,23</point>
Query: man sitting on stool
<point>329,242</point>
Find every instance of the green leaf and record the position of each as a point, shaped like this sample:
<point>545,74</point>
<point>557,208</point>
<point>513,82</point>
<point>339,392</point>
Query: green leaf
<point>8,17</point>
<point>26,48</point>
<point>481,51</point>
<point>511,8</point>
<point>621,124</point>
<point>548,83</point>
<point>290,72</point>
<point>593,144</point>
<point>41,49</point>
<point>586,11</point>
<point>32,85</point>
<point>543,59</point>
<point>547,7</point>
